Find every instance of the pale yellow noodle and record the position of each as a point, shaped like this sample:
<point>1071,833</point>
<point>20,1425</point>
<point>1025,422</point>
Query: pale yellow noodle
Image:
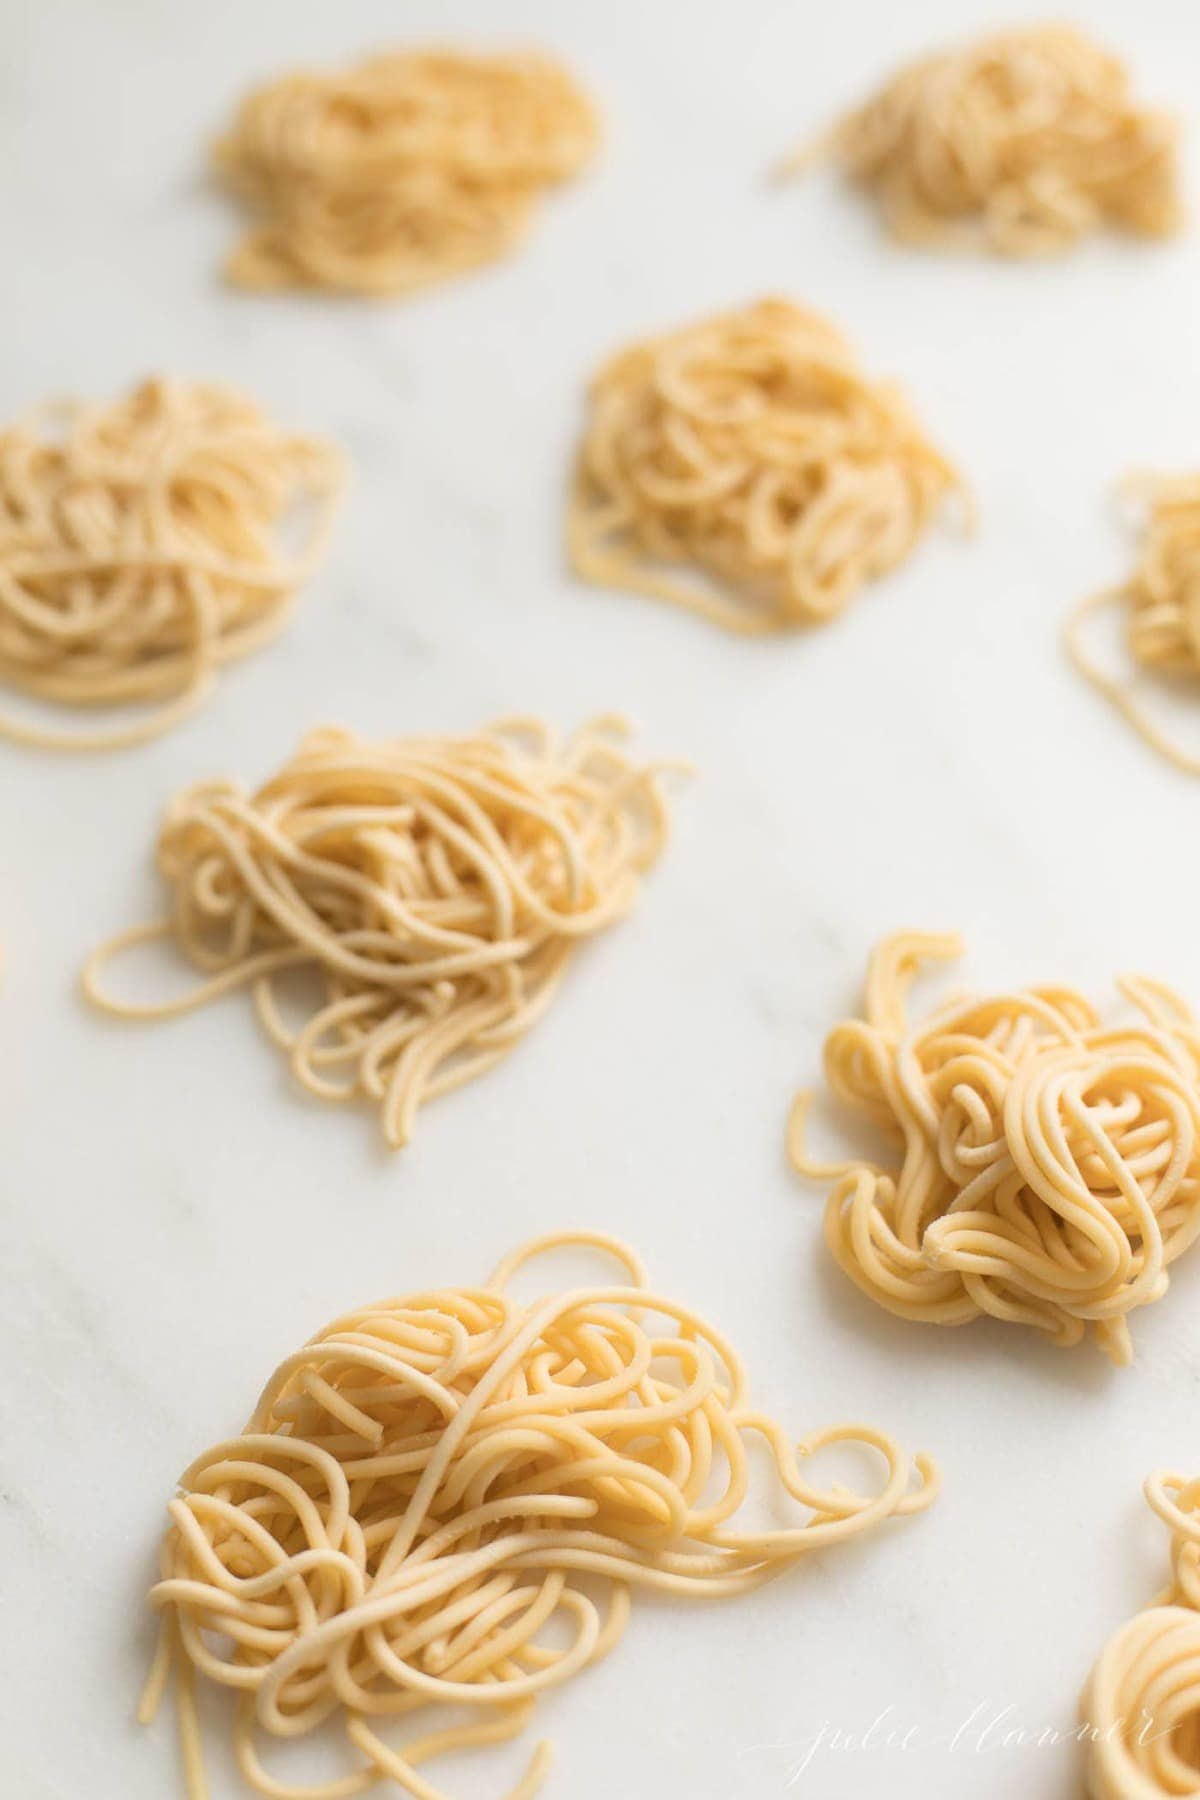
<point>1161,604</point>
<point>751,449</point>
<point>436,888</point>
<point>145,544</point>
<point>1024,142</point>
<point>403,170</point>
<point>433,1483</point>
<point>1045,1169</point>
<point>1141,1706</point>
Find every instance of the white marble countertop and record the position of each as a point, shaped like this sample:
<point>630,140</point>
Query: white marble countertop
<point>176,1216</point>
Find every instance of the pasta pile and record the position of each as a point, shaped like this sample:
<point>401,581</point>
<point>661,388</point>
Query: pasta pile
<point>1142,1703</point>
<point>432,1483</point>
<point>1048,1164</point>
<point>752,447</point>
<point>1162,602</point>
<point>436,887</point>
<point>1026,141</point>
<point>143,545</point>
<point>402,171</point>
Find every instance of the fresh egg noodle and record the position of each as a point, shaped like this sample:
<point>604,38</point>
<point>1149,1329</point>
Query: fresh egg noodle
<point>753,449</point>
<point>1161,603</point>
<point>145,544</point>
<point>1142,1703</point>
<point>433,1483</point>
<point>437,887</point>
<point>404,170</point>
<point>1023,142</point>
<point>1048,1165</point>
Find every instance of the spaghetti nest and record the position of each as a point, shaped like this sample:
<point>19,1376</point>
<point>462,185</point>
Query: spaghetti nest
<point>1025,141</point>
<point>436,887</point>
<point>1049,1168</point>
<point>402,171</point>
<point>145,544</point>
<point>1161,601</point>
<point>752,447</point>
<point>1141,1706</point>
<point>433,1484</point>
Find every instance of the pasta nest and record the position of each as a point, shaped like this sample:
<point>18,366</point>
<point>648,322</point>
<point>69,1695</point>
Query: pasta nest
<point>436,887</point>
<point>1160,603</point>
<point>751,446</point>
<point>402,171</point>
<point>1050,1167</point>
<point>432,1483</point>
<point>1029,139</point>
<point>145,544</point>
<point>1141,1706</point>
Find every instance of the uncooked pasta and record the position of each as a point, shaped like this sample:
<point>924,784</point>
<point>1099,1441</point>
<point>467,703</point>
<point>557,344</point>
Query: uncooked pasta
<point>434,888</point>
<point>1141,1707</point>
<point>1161,604</point>
<point>751,449</point>
<point>1023,142</point>
<point>449,1500</point>
<point>1046,1168</point>
<point>401,171</point>
<point>144,545</point>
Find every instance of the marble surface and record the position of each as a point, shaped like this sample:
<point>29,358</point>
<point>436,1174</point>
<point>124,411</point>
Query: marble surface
<point>176,1216</point>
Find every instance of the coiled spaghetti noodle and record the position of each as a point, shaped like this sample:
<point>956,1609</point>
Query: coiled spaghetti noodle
<point>433,1482</point>
<point>1026,141</point>
<point>402,171</point>
<point>752,447</point>
<point>1142,1701</point>
<point>1162,607</point>
<point>436,888</point>
<point>1049,1170</point>
<point>143,545</point>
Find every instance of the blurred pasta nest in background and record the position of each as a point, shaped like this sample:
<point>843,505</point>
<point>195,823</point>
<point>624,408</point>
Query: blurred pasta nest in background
<point>1161,605</point>
<point>752,447</point>
<point>1050,1169</point>
<point>1164,593</point>
<point>401,171</point>
<point>1029,138</point>
<point>146,543</point>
